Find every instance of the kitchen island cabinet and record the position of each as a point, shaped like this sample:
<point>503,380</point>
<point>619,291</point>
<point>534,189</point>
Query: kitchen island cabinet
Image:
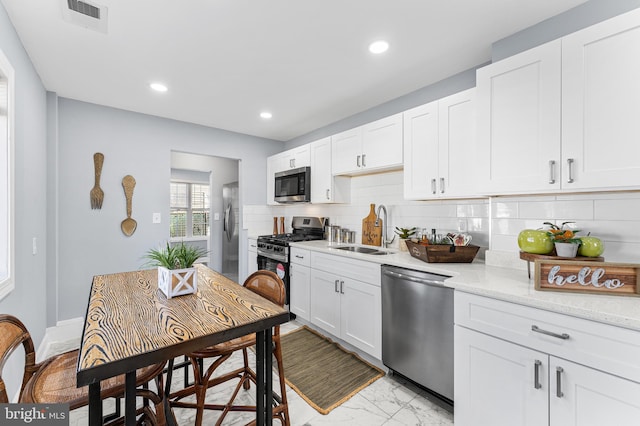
<point>560,116</point>
<point>516,365</point>
<point>345,300</point>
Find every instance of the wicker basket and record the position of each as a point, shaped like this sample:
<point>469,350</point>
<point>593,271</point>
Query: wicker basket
<point>437,253</point>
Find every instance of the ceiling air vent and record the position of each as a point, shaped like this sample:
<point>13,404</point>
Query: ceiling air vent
<point>86,14</point>
<point>84,8</point>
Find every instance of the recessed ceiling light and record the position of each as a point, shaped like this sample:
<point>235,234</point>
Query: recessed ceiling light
<point>266,115</point>
<point>378,47</point>
<point>158,87</point>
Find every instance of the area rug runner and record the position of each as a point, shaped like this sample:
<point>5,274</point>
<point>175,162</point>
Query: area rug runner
<point>322,372</point>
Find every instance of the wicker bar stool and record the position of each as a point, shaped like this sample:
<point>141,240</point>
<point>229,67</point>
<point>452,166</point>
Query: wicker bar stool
<point>54,380</point>
<point>270,286</point>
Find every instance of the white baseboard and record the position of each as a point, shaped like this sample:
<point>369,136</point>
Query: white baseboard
<point>65,331</point>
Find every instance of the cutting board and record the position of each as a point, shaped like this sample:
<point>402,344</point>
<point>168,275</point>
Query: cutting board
<point>371,234</point>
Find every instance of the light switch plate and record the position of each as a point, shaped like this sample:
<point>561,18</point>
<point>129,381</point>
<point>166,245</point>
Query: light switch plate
<point>157,218</point>
<point>216,216</point>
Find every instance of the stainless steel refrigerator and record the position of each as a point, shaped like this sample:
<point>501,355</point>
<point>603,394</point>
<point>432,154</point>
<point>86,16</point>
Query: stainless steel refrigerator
<point>230,231</point>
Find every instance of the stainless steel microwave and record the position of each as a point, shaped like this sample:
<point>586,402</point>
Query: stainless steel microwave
<point>293,186</point>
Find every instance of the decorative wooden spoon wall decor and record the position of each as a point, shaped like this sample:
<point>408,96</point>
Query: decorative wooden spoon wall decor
<point>128,225</point>
<point>97,195</point>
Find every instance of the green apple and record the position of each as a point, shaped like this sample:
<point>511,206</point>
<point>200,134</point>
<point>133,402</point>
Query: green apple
<point>535,241</point>
<point>591,247</point>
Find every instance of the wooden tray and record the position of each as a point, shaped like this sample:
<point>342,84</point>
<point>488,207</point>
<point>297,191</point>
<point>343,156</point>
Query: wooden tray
<point>530,257</point>
<point>441,253</point>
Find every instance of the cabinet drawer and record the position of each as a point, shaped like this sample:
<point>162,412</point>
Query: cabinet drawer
<point>608,348</point>
<point>300,256</point>
<point>368,272</point>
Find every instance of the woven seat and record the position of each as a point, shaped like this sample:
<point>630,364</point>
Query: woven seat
<point>268,285</point>
<point>54,380</point>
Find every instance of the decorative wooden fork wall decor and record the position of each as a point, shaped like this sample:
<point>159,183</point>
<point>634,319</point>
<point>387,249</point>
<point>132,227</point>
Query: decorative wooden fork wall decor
<point>97,195</point>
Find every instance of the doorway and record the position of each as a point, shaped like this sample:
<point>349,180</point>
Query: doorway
<point>209,211</point>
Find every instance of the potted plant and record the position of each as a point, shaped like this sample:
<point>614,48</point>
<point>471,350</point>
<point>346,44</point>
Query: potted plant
<point>404,234</point>
<point>564,239</point>
<point>176,274</point>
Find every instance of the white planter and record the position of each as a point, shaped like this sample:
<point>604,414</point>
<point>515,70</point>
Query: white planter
<point>566,249</point>
<point>177,282</point>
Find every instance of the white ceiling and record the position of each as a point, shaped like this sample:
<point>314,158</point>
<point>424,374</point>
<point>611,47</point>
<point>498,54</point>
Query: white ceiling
<point>225,61</point>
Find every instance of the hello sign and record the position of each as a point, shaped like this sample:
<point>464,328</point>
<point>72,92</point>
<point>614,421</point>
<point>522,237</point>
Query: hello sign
<point>587,277</point>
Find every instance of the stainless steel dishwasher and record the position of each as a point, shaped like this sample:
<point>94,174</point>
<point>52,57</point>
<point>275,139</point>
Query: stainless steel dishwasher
<point>417,328</point>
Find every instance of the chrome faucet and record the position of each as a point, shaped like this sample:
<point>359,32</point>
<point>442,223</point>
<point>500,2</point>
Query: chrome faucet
<point>383,241</point>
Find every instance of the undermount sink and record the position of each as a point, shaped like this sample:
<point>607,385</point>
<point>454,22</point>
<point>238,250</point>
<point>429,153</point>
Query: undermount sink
<point>364,250</point>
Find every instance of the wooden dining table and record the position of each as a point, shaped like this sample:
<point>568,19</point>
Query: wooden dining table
<point>130,324</point>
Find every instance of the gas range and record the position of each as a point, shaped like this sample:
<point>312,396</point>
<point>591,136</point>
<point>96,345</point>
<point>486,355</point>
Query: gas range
<point>273,250</point>
<point>276,246</point>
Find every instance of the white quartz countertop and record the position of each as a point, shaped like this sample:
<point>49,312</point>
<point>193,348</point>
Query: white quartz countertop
<point>505,284</point>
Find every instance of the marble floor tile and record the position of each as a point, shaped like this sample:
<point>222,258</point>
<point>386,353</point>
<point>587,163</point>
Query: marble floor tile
<point>389,401</point>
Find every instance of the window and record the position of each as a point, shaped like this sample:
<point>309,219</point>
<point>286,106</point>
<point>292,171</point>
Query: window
<point>189,210</point>
<point>6,178</point>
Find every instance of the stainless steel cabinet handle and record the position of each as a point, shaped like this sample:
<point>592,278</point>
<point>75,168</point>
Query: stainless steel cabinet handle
<point>442,185</point>
<point>433,186</point>
<point>328,198</point>
<point>536,374</point>
<point>299,257</point>
<point>363,163</point>
<point>559,371</point>
<point>358,161</point>
<point>341,287</point>
<point>563,336</point>
<point>570,165</point>
<point>335,285</point>
<point>552,167</point>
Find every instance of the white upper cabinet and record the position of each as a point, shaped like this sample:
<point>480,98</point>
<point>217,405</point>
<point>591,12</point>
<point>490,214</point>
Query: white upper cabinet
<point>373,147</point>
<point>439,148</point>
<point>601,105</point>
<point>325,188</point>
<point>293,158</point>
<point>563,116</point>
<point>420,151</point>
<point>518,122</point>
<point>290,159</point>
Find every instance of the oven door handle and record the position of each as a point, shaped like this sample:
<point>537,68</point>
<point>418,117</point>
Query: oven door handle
<point>272,256</point>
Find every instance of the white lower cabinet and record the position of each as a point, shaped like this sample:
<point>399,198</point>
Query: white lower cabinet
<point>584,396</point>
<point>494,382</point>
<point>252,256</point>
<point>517,365</point>
<point>299,283</point>
<point>345,300</point>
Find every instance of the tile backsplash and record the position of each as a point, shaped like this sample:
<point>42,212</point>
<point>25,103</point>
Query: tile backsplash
<point>493,222</point>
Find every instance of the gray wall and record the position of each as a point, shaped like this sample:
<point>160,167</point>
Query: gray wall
<point>27,301</point>
<point>89,241</point>
<point>448,86</point>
